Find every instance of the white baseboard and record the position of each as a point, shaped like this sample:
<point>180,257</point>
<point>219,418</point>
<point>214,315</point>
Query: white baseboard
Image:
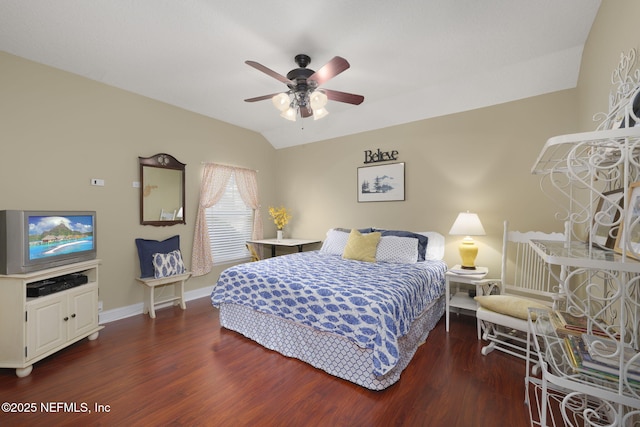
<point>135,309</point>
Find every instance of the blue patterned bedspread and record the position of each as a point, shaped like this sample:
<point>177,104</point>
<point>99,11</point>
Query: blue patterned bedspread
<point>372,304</point>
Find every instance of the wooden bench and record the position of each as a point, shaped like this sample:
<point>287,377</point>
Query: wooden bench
<point>151,283</point>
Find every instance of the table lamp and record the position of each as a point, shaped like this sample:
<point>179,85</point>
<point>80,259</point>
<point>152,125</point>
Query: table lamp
<point>467,224</point>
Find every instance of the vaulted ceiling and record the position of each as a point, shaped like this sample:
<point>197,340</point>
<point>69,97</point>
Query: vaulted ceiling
<point>411,59</point>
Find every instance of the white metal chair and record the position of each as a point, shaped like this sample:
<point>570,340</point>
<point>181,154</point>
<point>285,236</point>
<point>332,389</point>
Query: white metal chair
<point>525,281</point>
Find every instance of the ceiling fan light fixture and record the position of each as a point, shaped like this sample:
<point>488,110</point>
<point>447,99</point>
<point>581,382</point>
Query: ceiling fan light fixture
<point>319,113</point>
<point>304,96</point>
<point>281,101</point>
<point>289,114</point>
<point>318,99</point>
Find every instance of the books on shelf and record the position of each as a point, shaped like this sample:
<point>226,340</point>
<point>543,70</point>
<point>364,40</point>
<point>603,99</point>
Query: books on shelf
<point>578,325</point>
<point>572,353</point>
<point>603,350</point>
<point>582,360</point>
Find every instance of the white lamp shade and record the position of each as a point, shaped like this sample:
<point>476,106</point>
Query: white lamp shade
<point>319,113</point>
<point>467,224</point>
<point>289,114</point>
<point>281,101</point>
<point>317,100</point>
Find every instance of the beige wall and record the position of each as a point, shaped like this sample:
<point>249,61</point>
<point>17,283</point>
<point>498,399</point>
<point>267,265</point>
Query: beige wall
<point>614,31</point>
<point>478,161</point>
<point>58,131</point>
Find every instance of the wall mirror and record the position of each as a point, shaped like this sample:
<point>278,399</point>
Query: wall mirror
<point>162,195</point>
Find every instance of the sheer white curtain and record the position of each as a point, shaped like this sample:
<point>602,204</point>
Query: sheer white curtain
<point>215,178</point>
<point>247,182</point>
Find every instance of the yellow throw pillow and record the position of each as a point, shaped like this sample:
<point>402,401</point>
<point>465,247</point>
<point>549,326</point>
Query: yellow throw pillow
<point>509,305</point>
<point>361,247</point>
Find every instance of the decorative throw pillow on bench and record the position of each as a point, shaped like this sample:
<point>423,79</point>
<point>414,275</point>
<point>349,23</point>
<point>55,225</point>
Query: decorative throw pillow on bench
<point>147,249</point>
<point>166,265</point>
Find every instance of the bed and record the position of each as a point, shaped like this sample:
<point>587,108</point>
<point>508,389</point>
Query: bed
<point>359,321</point>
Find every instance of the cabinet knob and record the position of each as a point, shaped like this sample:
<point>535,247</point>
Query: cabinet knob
<point>66,318</point>
<point>73,315</point>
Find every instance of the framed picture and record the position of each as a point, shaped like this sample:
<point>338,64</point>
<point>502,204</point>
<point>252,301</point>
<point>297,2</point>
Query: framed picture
<point>604,229</point>
<point>630,226</point>
<point>381,183</point>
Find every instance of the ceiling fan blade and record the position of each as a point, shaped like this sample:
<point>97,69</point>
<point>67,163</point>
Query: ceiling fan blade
<point>269,72</point>
<point>306,112</point>
<point>349,98</point>
<point>329,70</point>
<point>261,98</point>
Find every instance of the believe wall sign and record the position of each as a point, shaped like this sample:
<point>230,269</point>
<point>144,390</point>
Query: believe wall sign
<point>379,156</point>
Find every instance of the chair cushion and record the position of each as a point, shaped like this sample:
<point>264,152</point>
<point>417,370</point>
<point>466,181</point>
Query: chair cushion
<point>146,249</point>
<point>510,305</point>
<point>507,321</point>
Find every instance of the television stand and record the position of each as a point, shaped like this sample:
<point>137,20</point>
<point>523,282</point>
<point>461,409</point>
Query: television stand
<point>32,328</point>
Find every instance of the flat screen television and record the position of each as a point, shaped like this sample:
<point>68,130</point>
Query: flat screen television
<point>37,240</point>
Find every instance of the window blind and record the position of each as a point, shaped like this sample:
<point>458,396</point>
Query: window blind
<point>229,224</point>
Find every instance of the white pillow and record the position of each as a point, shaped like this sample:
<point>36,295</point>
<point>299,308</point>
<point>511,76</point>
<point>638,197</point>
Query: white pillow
<point>401,250</point>
<point>335,242</point>
<point>435,248</point>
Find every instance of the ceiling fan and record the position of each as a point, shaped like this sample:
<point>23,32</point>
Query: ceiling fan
<point>305,95</point>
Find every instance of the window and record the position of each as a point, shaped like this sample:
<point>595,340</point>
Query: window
<point>229,224</point>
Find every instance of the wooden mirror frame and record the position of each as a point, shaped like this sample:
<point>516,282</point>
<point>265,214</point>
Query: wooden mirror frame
<point>170,163</point>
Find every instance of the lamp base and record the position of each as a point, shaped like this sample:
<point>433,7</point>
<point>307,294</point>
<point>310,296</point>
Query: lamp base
<point>468,252</point>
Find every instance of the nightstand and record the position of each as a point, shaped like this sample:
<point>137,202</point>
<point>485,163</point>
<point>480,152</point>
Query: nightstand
<point>461,299</point>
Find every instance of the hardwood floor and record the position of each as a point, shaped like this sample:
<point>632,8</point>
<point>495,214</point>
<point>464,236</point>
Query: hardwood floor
<point>182,369</point>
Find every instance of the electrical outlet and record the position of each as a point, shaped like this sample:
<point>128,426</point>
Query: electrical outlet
<point>136,184</point>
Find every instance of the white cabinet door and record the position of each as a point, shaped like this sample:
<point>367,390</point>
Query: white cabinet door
<point>46,329</point>
<point>83,310</point>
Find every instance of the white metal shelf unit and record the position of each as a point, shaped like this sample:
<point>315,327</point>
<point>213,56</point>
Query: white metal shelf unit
<point>614,400</point>
<point>589,175</point>
<point>580,171</point>
<point>603,283</point>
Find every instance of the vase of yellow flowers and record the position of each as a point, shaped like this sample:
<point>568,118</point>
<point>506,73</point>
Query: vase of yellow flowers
<point>281,218</point>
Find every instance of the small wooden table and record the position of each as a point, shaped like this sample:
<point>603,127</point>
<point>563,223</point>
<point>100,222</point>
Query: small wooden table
<point>284,242</point>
